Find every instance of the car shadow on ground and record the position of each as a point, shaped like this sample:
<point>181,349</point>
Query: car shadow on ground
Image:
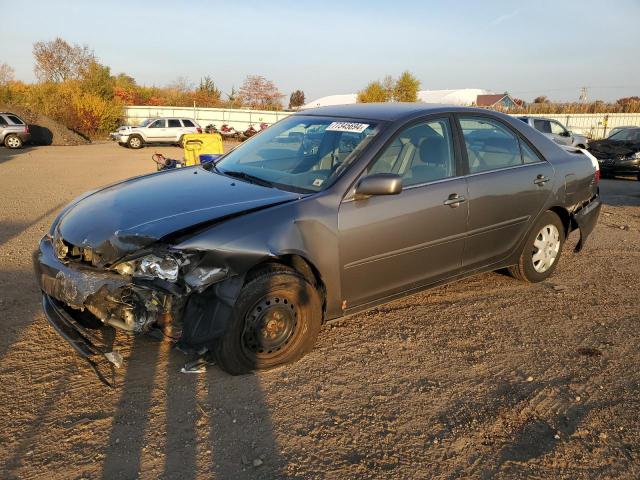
<point>214,423</point>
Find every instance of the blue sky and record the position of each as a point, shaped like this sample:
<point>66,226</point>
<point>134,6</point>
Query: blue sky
<point>326,47</point>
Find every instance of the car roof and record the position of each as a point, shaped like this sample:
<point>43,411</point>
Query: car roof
<point>391,111</point>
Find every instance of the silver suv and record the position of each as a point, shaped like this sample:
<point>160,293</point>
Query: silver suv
<point>156,130</point>
<point>13,131</point>
<point>556,131</point>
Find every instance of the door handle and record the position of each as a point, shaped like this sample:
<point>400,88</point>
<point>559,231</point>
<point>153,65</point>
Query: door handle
<point>454,200</point>
<point>541,180</point>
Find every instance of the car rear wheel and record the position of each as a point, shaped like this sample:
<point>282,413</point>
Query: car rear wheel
<point>276,320</point>
<point>12,141</point>
<point>542,250</point>
<point>135,142</point>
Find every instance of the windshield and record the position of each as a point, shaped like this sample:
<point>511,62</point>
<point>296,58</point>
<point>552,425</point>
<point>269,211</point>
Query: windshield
<point>627,135</point>
<point>145,122</point>
<point>299,153</point>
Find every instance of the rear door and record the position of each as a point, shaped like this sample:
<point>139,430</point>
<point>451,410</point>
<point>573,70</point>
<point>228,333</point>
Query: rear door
<point>508,184</point>
<point>174,129</point>
<point>393,243</point>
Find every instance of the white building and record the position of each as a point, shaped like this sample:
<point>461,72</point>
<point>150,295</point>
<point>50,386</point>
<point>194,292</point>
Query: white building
<point>462,96</point>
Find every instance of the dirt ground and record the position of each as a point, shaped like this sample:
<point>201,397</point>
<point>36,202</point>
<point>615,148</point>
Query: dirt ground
<point>484,378</point>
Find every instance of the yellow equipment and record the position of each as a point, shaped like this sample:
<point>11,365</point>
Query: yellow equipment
<point>196,144</point>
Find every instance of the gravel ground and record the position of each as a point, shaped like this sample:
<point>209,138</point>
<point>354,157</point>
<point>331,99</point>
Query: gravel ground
<point>483,378</point>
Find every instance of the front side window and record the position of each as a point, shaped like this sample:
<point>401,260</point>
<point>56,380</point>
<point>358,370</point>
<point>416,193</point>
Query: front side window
<point>3,122</point>
<point>174,123</point>
<point>420,153</point>
<point>300,153</point>
<point>489,145</point>
<point>558,129</point>
<point>542,126</point>
<point>158,124</point>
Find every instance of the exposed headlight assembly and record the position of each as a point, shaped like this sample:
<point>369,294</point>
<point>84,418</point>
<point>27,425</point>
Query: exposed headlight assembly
<point>165,267</point>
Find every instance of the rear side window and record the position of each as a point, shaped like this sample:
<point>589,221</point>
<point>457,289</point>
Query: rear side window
<point>542,126</point>
<point>528,155</point>
<point>188,123</point>
<point>490,145</point>
<point>15,120</point>
<point>174,123</point>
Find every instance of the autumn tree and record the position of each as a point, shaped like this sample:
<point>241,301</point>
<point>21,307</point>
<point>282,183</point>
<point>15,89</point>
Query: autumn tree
<point>541,99</point>
<point>57,60</point>
<point>258,92</point>
<point>296,99</point>
<point>374,92</point>
<point>406,88</point>
<point>6,74</point>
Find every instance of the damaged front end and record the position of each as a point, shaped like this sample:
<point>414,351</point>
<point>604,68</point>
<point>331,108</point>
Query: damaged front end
<point>158,288</point>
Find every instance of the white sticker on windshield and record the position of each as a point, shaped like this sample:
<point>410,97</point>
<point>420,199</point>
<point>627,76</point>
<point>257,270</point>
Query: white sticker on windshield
<point>317,182</point>
<point>347,127</point>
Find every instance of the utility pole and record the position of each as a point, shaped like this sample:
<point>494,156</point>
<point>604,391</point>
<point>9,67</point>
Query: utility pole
<point>583,95</point>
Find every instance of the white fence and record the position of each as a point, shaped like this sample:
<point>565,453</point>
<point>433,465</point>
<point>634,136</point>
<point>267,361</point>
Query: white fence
<point>236,118</point>
<point>596,125</point>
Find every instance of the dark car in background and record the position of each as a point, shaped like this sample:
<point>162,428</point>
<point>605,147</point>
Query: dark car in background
<point>619,154</point>
<point>328,212</point>
<point>14,132</point>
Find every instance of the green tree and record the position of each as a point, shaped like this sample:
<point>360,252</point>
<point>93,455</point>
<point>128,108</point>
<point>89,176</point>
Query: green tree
<point>374,92</point>
<point>96,78</point>
<point>406,88</point>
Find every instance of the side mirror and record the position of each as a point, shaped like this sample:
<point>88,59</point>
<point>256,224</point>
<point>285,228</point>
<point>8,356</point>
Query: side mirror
<point>567,133</point>
<point>379,184</point>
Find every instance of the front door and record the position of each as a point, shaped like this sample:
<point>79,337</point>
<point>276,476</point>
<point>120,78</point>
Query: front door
<point>389,244</point>
<point>157,131</point>
<point>508,184</point>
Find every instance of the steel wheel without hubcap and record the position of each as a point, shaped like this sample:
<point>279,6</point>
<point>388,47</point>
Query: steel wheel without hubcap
<point>270,326</point>
<point>546,248</point>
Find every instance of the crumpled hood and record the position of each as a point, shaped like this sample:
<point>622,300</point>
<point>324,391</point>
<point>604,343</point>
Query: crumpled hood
<point>130,215</point>
<point>613,148</point>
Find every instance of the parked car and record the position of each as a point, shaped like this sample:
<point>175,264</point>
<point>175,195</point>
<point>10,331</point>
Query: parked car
<point>619,154</point>
<point>157,130</point>
<point>14,132</point>
<point>615,130</point>
<point>249,255</point>
<point>556,131</point>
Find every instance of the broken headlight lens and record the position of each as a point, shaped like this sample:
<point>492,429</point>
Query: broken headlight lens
<point>165,268</point>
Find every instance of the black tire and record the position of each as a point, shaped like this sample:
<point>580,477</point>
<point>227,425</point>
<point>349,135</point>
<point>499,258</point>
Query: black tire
<point>639,177</point>
<point>276,320</point>
<point>527,269</point>
<point>13,141</point>
<point>135,142</point>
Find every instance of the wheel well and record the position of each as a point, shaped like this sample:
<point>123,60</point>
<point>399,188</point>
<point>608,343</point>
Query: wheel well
<point>301,265</point>
<point>565,218</point>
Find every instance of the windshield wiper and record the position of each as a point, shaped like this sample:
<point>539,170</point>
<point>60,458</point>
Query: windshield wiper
<point>248,177</point>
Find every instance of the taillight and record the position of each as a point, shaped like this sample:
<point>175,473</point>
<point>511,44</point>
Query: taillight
<point>199,130</point>
<point>26,129</point>
<point>596,177</point>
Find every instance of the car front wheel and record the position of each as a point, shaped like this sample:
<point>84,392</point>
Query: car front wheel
<point>12,141</point>
<point>276,320</point>
<point>542,250</point>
